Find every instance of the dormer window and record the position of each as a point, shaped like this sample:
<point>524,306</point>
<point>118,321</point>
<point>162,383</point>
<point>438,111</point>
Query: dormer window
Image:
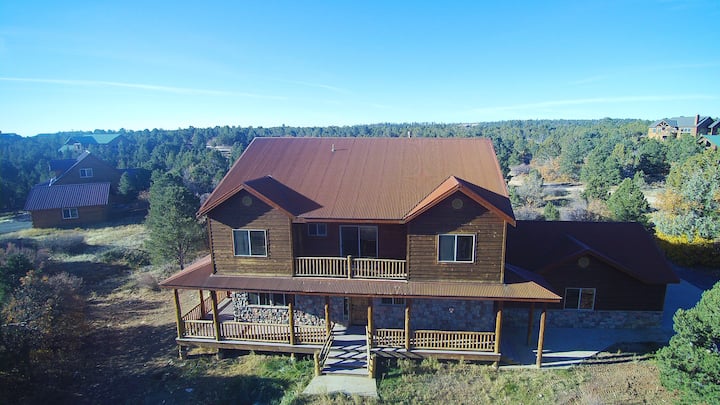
<point>85,173</point>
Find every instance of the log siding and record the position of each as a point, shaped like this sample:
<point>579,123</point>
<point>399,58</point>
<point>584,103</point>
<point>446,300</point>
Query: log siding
<point>470,218</point>
<point>233,214</point>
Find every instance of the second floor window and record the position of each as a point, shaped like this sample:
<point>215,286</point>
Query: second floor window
<point>250,242</point>
<point>86,172</point>
<point>315,229</point>
<point>456,248</point>
<point>359,241</point>
<point>393,301</point>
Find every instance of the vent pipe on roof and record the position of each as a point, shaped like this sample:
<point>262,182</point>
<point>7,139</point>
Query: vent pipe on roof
<point>333,148</point>
<point>409,133</point>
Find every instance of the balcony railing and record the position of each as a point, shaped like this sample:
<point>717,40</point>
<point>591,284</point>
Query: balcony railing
<point>350,267</point>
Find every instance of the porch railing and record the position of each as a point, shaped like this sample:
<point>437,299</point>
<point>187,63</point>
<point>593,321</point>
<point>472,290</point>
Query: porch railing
<point>349,267</point>
<point>196,312</point>
<point>198,329</point>
<point>436,339</point>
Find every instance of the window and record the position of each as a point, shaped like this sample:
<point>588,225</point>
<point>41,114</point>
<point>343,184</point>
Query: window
<point>250,242</point>
<point>70,213</point>
<point>392,301</point>
<point>269,299</point>
<point>579,298</point>
<point>456,248</point>
<point>358,241</point>
<point>317,229</point>
<point>86,172</point>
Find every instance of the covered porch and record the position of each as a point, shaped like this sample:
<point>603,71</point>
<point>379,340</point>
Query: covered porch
<point>213,322</point>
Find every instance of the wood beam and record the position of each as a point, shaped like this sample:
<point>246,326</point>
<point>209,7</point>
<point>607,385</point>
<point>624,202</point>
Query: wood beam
<point>216,317</point>
<point>498,326</point>
<point>203,310</point>
<point>531,314</point>
<point>370,316</point>
<point>178,314</point>
<point>408,303</point>
<point>328,326</point>
<point>541,336</point>
<point>291,322</point>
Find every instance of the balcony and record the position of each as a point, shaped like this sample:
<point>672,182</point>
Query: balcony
<point>350,267</point>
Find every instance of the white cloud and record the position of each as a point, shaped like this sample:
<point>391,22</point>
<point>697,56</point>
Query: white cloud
<point>140,86</point>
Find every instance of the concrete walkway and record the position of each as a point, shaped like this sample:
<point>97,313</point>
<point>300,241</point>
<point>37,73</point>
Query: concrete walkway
<point>342,384</point>
<point>565,347</point>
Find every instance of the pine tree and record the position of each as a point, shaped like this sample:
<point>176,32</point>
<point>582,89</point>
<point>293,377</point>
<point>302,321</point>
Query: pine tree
<point>628,203</point>
<point>173,229</point>
<point>691,361</point>
<point>550,212</point>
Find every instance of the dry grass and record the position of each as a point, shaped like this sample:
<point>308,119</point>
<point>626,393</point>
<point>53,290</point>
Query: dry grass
<point>130,355</point>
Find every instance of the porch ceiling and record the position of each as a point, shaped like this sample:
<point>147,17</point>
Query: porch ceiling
<point>199,276</point>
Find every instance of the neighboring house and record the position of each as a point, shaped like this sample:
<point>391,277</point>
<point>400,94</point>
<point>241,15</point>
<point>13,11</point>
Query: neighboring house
<point>677,126</point>
<point>710,141</point>
<point>714,128</point>
<point>80,192</point>
<point>404,237</point>
<point>80,143</point>
<point>68,205</point>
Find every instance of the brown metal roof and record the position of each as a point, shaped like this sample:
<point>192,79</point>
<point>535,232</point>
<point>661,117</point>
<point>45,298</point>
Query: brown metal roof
<point>199,276</point>
<point>541,246</point>
<point>361,178</point>
<point>46,197</point>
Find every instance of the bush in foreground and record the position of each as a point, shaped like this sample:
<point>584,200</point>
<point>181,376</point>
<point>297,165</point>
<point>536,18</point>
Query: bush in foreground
<point>691,362</point>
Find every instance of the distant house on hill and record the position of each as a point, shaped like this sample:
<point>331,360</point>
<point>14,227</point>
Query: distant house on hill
<point>677,126</point>
<point>710,141</point>
<point>80,192</point>
<point>81,142</point>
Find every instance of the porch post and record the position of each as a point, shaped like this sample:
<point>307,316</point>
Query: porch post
<point>178,315</point>
<point>328,327</point>
<point>291,322</point>
<point>408,303</point>
<point>349,266</point>
<point>203,311</point>
<point>371,327</point>
<point>498,326</point>
<point>541,336</point>
<point>216,318</point>
<point>531,314</point>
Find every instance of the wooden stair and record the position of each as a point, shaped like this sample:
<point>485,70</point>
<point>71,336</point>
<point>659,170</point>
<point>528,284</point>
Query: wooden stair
<point>348,354</point>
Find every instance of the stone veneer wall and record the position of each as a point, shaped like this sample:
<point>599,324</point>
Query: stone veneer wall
<point>308,310</point>
<point>558,318</point>
<point>460,315</point>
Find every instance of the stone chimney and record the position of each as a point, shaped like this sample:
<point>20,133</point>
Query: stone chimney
<point>697,119</point>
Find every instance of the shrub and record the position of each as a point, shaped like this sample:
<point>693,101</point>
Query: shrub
<point>691,361</point>
<point>687,252</point>
<point>130,257</point>
<point>65,243</point>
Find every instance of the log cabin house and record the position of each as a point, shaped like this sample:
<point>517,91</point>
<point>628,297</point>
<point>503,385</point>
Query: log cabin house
<point>404,238</point>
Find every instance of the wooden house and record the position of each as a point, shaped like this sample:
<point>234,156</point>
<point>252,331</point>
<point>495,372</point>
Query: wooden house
<point>678,126</point>
<point>80,192</point>
<point>404,238</point>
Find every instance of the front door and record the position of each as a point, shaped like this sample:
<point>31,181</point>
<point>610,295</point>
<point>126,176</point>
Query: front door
<point>358,311</point>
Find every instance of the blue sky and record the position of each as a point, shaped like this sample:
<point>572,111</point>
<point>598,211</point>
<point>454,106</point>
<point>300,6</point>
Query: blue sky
<point>69,65</point>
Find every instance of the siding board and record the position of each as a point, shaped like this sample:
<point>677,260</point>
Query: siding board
<point>471,218</point>
<point>233,214</point>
